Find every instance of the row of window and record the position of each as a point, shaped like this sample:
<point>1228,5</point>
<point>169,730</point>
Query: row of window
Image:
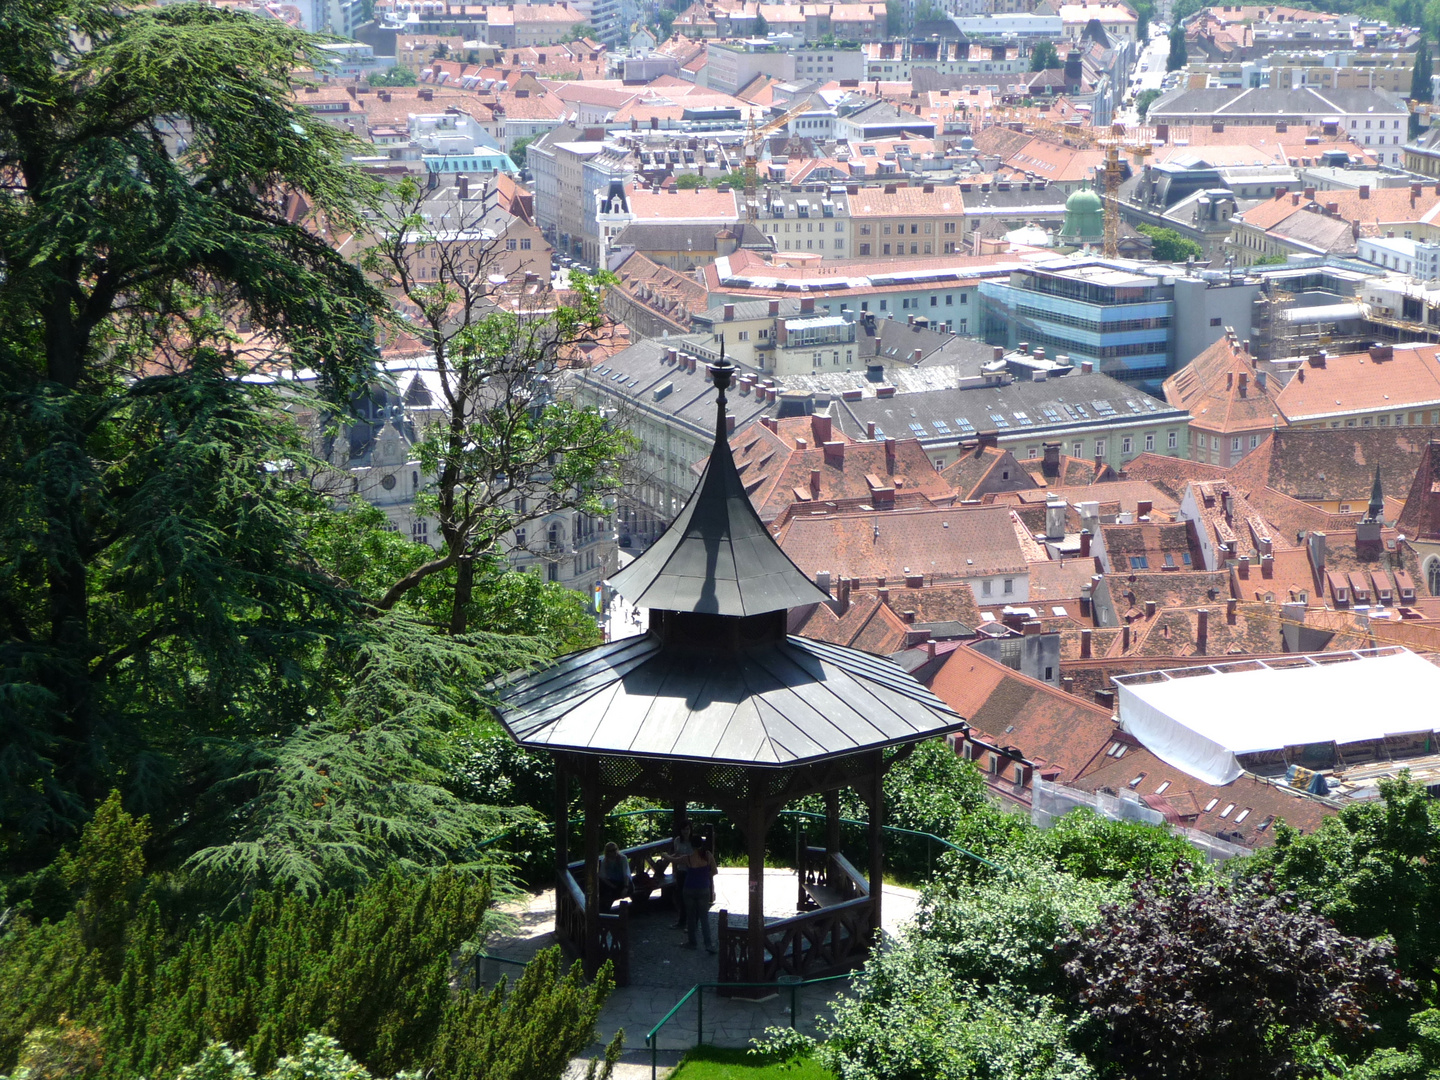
<point>948,227</point>
<point>809,227</point>
<point>1095,326</point>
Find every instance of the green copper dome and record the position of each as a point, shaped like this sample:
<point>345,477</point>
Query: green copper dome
<point>1084,217</point>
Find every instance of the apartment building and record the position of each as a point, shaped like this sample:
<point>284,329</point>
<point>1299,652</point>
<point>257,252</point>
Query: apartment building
<point>907,222</point>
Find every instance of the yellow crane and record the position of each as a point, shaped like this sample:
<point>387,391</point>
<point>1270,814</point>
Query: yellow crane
<point>1113,175</point>
<point>753,137</point>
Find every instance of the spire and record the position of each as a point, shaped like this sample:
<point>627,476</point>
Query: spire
<point>1377,498</point>
<point>717,557</point>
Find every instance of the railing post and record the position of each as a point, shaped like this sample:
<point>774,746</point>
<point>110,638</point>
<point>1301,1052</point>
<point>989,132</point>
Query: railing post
<point>700,1016</point>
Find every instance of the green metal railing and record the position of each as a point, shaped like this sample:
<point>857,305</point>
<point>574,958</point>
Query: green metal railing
<point>481,956</point>
<point>652,1037</point>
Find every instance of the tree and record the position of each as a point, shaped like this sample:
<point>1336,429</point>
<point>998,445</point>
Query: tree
<point>1420,86</point>
<point>1168,245</point>
<point>152,561</point>
<point>1178,57</point>
<point>690,181</point>
<point>1221,981</point>
<point>392,76</point>
<point>1374,868</point>
<point>513,446</point>
<point>1144,101</point>
<point>518,148</point>
<point>762,27</point>
<point>1043,57</point>
<point>894,17</point>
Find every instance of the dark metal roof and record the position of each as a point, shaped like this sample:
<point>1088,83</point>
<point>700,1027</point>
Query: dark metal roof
<point>781,704</point>
<point>717,557</point>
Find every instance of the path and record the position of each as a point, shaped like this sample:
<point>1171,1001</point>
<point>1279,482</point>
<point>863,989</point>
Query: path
<point>661,972</point>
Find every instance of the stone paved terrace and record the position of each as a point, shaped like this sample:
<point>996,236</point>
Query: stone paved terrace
<point>661,972</point>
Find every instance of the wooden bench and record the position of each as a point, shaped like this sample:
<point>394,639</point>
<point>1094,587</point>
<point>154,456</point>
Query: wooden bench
<point>824,895</point>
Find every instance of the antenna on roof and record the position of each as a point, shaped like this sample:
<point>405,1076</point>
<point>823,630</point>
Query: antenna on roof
<point>721,372</point>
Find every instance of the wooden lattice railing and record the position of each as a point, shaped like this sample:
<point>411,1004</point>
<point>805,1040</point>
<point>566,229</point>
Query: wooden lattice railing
<point>832,938</point>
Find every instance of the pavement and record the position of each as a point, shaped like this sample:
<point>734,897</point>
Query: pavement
<point>661,973</point>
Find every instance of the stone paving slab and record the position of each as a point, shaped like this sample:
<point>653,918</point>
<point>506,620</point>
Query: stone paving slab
<point>661,972</point>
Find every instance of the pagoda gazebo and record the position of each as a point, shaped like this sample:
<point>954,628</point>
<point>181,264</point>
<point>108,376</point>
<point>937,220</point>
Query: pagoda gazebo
<point>717,705</point>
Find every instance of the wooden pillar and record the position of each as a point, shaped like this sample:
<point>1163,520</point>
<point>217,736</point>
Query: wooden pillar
<point>590,787</point>
<point>562,822</point>
<point>876,798</point>
<point>755,843</point>
<point>832,822</point>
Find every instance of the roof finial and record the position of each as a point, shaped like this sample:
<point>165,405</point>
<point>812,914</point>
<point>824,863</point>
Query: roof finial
<point>1377,498</point>
<point>721,372</point>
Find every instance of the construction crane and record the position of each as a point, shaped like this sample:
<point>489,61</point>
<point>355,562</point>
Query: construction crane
<point>1113,176</point>
<point>753,137</point>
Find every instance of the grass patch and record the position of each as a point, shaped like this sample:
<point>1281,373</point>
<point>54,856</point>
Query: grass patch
<point>714,1063</point>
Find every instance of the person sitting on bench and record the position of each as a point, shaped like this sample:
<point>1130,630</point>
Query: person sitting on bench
<point>614,876</point>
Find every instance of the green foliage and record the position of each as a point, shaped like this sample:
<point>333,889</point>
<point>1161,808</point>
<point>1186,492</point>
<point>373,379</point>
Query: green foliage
<point>517,150</point>
<point>392,76</point>
<point>1270,260</point>
<point>1420,79</point>
<point>1169,246</point>
<point>1419,1060</point>
<point>66,1051</point>
<point>1231,981</point>
<point>894,17</point>
<point>105,872</point>
<point>689,181</point>
<point>1374,869</point>
<point>1044,56</point>
<point>495,1035</point>
<point>762,25</point>
<point>909,1019</point>
<point>1143,102</point>
<point>1177,57</point>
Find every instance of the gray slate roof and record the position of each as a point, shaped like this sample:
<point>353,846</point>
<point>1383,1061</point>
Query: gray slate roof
<point>717,557</point>
<point>780,704</point>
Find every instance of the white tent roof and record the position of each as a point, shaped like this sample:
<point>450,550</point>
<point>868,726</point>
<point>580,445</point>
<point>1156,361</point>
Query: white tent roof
<point>1201,722</point>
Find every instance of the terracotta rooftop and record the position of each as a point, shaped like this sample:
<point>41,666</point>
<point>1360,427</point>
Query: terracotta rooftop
<point>1420,520</point>
<point>1222,391</point>
<point>1334,464</point>
<point>1258,804</point>
<point>943,544</point>
<point>1048,726</point>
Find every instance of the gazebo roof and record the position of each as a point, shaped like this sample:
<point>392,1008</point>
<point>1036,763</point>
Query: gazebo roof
<point>778,704</point>
<point>717,557</point>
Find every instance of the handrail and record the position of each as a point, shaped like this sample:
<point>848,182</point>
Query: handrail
<point>808,814</point>
<point>652,1037</point>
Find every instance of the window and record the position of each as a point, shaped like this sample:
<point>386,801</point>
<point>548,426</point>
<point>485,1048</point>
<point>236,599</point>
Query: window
<point>1170,440</point>
<point>949,226</point>
<point>1210,806</point>
<point>885,229</point>
<point>1099,448</point>
<point>420,531</point>
<point>1077,449</point>
<point>1009,586</point>
<point>510,245</point>
<point>1228,808</point>
<point>887,249</point>
<point>964,298</point>
<point>1149,440</point>
<point>884,302</point>
<point>840,245</point>
<point>520,538</point>
<point>1254,441</point>
<point>864,248</point>
<point>864,230</point>
<point>949,299</point>
<point>524,243</point>
<point>914,230</point>
<point>1139,562</point>
<point>1127,445</point>
<point>985,588</point>
<point>1215,321</point>
<point>912,249</point>
<point>1235,444</point>
<point>934,301</point>
<point>552,572</point>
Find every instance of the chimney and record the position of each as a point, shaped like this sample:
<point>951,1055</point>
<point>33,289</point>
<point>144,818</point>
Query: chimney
<point>883,595</point>
<point>774,307</point>
<point>1125,638</point>
<point>835,454</point>
<point>822,579</point>
<point>843,596</point>
<point>1202,631</point>
<point>1084,543</point>
<point>807,305</point>
<point>1051,466</point>
<point>1267,565</point>
<point>815,483</point>
<point>1067,683</point>
<point>1317,360</point>
<point>1149,609</point>
<point>1315,541</point>
<point>889,455</point>
<point>1143,508</point>
<point>870,430</point>
<point>1054,518</point>
<point>1086,367</point>
<point>914,581</point>
<point>1230,611</point>
<point>1031,627</point>
<point>1364,191</point>
<point>1105,698</point>
<point>729,312</point>
<point>1309,194</point>
<point>462,186</point>
<point>1085,643</point>
<point>1162,133</point>
<point>1085,601</point>
<point>908,615</point>
<point>1244,568</point>
<point>998,353</point>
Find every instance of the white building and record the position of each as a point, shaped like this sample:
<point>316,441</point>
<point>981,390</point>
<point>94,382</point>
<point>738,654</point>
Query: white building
<point>1420,259</point>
